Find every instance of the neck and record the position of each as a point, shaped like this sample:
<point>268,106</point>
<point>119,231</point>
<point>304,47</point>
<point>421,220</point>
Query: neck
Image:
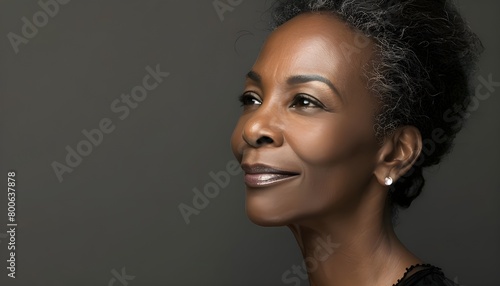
<point>360,248</point>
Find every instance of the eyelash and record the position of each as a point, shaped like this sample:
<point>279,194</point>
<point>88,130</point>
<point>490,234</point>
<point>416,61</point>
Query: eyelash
<point>243,97</point>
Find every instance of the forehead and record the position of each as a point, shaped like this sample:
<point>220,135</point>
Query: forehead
<point>314,43</point>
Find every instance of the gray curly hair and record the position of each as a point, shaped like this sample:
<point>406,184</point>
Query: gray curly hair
<point>426,55</point>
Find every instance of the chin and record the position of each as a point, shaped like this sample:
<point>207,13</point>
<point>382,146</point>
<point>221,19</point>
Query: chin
<point>267,221</point>
<point>267,214</point>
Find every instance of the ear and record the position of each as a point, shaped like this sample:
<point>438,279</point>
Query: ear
<point>398,153</point>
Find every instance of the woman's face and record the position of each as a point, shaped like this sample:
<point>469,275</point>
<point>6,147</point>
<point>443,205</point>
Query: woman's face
<point>307,110</point>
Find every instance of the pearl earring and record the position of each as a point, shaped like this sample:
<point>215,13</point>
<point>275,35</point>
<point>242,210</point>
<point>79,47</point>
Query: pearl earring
<point>388,181</point>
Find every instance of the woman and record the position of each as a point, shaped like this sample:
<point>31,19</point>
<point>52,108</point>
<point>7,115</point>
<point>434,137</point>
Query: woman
<point>338,109</point>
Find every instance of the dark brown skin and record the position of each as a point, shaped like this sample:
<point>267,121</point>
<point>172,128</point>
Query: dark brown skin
<point>339,194</point>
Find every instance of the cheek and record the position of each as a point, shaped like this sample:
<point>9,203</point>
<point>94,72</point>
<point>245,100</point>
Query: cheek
<point>337,160</point>
<point>324,141</point>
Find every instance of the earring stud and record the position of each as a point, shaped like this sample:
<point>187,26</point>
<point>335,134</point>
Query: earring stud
<point>388,181</point>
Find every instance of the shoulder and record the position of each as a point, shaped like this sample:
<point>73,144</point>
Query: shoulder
<point>425,275</point>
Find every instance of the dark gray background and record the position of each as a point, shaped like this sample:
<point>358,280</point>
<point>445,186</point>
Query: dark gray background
<point>119,207</point>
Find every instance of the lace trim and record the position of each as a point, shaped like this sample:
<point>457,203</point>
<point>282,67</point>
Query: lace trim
<point>410,268</point>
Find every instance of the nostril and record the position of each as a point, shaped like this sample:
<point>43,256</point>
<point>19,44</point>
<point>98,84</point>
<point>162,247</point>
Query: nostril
<point>264,139</point>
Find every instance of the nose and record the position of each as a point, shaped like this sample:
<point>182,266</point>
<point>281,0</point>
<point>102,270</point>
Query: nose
<point>263,128</point>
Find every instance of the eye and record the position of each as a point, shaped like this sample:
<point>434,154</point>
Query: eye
<point>301,100</point>
<point>247,99</point>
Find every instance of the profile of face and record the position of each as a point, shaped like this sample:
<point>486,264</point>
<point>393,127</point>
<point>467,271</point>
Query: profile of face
<point>308,111</point>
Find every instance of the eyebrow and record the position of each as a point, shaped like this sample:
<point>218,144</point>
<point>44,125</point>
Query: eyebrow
<point>296,79</point>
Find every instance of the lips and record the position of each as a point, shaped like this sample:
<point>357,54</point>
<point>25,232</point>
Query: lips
<point>259,175</point>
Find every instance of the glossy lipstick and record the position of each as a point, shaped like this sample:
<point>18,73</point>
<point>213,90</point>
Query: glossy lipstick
<point>259,175</point>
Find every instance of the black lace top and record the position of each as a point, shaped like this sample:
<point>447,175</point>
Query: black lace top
<point>424,275</point>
